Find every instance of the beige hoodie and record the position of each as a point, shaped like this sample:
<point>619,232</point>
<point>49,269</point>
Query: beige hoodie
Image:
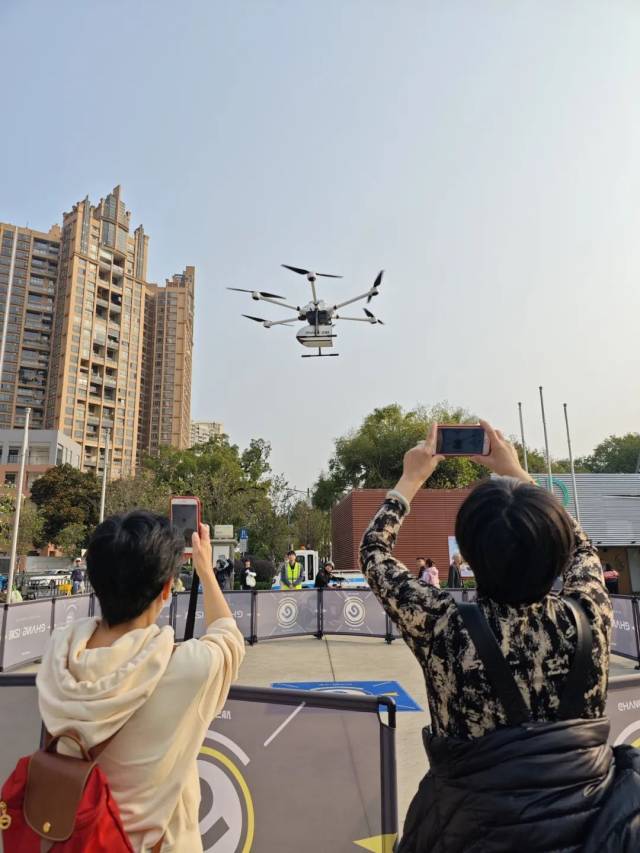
<point>164,701</point>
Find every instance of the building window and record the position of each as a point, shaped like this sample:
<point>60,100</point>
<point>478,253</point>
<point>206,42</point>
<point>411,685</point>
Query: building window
<point>10,478</point>
<point>14,455</point>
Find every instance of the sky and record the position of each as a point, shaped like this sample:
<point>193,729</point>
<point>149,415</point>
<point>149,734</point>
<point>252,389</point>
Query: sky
<point>485,153</point>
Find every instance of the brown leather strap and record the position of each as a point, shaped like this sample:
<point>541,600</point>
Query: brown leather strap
<point>55,784</point>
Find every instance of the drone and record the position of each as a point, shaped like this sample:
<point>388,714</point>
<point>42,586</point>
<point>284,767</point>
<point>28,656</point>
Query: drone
<point>319,317</point>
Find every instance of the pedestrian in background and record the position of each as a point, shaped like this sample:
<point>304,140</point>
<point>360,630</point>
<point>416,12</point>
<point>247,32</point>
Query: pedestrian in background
<point>611,579</point>
<point>292,574</point>
<point>248,577</point>
<point>77,577</point>
<point>454,581</point>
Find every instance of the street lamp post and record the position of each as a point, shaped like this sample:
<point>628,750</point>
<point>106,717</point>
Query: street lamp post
<point>16,518</point>
<point>103,494</point>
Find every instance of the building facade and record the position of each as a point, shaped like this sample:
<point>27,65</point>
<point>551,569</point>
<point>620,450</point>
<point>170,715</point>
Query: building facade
<point>28,276</point>
<point>609,512</point>
<point>46,449</point>
<point>73,307</point>
<point>203,431</point>
<point>165,417</point>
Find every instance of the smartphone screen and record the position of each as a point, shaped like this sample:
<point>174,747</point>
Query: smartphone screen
<point>460,442</point>
<point>184,517</point>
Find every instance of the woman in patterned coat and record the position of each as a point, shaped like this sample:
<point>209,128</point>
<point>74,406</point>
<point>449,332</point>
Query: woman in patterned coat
<point>517,539</point>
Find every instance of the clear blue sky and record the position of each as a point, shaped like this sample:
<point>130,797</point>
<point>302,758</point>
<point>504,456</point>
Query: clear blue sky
<point>486,154</point>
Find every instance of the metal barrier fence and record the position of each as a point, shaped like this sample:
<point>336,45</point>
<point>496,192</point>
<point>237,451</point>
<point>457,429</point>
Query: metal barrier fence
<point>279,769</point>
<point>261,616</point>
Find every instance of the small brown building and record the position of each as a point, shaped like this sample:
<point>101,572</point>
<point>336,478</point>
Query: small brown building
<point>424,533</point>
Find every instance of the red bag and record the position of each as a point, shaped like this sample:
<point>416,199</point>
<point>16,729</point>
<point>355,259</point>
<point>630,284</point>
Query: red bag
<point>61,800</point>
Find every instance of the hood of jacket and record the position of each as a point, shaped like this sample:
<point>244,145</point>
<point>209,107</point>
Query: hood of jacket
<point>95,691</point>
<point>533,787</point>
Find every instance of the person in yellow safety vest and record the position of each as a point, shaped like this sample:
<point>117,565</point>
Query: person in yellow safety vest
<point>292,574</point>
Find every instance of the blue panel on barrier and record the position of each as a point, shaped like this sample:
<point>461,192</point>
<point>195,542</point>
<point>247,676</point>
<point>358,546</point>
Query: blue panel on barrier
<point>403,701</point>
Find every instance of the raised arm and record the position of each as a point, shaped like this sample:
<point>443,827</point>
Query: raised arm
<point>582,578</point>
<point>410,605</point>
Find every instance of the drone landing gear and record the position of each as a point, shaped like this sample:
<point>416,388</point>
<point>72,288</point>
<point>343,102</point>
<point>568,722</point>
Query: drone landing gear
<point>321,354</point>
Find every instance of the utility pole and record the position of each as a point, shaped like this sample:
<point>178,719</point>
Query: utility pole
<point>546,442</point>
<point>573,470</point>
<point>16,517</point>
<point>524,443</point>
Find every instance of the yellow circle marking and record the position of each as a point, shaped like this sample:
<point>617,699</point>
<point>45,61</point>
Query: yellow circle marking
<point>237,775</point>
<point>636,742</point>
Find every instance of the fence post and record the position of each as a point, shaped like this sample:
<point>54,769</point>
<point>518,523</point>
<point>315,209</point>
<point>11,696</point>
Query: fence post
<point>388,637</point>
<point>2,638</point>
<point>319,613</point>
<point>254,617</point>
<point>636,619</point>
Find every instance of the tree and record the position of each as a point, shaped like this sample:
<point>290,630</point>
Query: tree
<point>65,496</point>
<point>371,456</point>
<point>234,487</point>
<point>30,530</point>
<point>143,491</point>
<point>537,461</point>
<point>617,454</point>
<point>71,539</point>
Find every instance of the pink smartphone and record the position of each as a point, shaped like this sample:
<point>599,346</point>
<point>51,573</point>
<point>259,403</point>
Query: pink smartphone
<point>185,515</point>
<point>462,440</point>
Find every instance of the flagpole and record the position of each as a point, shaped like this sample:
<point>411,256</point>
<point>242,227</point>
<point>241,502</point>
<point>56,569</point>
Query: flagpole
<point>546,441</point>
<point>524,443</point>
<point>573,470</point>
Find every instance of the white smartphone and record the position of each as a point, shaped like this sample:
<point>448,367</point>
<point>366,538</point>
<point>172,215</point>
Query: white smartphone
<point>185,515</point>
<point>462,440</point>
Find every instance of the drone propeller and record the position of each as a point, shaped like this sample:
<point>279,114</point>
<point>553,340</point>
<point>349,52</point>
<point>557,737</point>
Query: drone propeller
<point>262,293</point>
<point>300,271</point>
<point>376,286</point>
<point>372,317</point>
<point>267,323</point>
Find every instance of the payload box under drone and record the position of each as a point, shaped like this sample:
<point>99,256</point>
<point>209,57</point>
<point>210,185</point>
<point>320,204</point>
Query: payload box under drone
<point>319,317</point>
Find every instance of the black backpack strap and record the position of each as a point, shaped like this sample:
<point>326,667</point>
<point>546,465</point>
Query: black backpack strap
<point>572,699</point>
<point>497,669</point>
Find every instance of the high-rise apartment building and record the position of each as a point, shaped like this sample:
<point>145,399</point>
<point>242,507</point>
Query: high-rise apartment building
<point>202,431</point>
<point>166,364</point>
<point>77,302</point>
<point>28,275</point>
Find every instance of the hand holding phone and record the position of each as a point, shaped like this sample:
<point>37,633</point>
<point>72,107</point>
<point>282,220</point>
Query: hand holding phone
<point>185,515</point>
<point>502,458</point>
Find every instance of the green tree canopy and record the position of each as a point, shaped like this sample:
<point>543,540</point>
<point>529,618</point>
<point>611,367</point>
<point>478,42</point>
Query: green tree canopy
<point>65,496</point>
<point>30,530</point>
<point>371,456</point>
<point>617,454</point>
<point>71,539</point>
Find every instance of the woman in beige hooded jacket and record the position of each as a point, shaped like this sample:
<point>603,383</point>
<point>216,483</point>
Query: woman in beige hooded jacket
<point>119,675</point>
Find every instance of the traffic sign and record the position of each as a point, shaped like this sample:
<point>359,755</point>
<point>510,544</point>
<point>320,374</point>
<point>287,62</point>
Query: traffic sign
<point>244,533</point>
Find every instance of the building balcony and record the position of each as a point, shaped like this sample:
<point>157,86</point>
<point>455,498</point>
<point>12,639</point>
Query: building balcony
<point>109,383</point>
<point>93,420</point>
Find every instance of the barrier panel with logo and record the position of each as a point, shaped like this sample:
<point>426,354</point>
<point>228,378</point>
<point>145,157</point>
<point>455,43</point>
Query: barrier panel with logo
<point>287,614</point>
<point>330,754</point>
<point>69,608</point>
<point>623,709</point>
<point>25,632</point>
<point>240,603</point>
<point>624,633</point>
<point>355,611</point>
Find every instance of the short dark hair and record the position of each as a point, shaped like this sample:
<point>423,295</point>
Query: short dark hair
<point>129,559</point>
<point>289,553</point>
<point>429,562</point>
<point>516,537</point>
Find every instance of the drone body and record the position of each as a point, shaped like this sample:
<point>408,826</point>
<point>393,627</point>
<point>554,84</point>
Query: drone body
<point>318,316</point>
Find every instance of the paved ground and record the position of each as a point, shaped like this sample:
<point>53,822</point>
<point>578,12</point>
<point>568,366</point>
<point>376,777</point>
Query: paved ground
<point>358,659</point>
<point>354,659</point>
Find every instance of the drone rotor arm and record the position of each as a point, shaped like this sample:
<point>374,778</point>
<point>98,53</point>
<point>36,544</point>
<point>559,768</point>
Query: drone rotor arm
<point>355,299</point>
<point>295,308</point>
<point>352,319</point>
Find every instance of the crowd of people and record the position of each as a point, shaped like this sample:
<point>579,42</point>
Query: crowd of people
<point>516,683</point>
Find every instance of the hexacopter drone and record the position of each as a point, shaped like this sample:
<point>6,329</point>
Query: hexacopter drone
<point>318,316</point>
